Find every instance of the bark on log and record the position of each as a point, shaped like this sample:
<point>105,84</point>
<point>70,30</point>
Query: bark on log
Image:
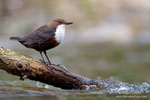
<point>56,75</point>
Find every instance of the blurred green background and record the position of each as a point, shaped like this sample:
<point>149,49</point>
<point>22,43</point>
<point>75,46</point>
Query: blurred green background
<point>108,38</point>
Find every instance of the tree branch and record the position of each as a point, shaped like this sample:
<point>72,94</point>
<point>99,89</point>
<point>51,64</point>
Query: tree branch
<point>56,75</point>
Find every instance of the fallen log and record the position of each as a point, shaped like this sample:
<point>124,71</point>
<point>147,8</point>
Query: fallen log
<point>56,75</point>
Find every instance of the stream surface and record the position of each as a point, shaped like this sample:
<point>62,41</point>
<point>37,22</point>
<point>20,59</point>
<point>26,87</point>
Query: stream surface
<point>111,88</point>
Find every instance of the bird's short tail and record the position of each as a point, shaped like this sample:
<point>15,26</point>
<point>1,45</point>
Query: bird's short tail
<point>15,38</point>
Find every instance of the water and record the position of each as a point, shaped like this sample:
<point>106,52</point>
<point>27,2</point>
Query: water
<point>110,88</point>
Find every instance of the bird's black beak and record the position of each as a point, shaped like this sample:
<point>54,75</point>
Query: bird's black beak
<point>68,23</point>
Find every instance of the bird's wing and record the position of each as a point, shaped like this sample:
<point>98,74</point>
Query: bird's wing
<point>44,33</point>
<point>39,36</point>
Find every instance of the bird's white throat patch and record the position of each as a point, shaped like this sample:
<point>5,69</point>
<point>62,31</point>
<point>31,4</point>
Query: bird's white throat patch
<point>60,33</point>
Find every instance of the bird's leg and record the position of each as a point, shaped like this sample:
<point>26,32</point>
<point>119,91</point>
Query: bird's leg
<point>47,58</point>
<point>42,57</point>
<point>44,60</point>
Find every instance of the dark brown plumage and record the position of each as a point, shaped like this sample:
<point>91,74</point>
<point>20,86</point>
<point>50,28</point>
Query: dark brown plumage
<point>43,38</point>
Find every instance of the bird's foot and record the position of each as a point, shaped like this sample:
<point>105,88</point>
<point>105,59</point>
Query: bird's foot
<point>48,64</point>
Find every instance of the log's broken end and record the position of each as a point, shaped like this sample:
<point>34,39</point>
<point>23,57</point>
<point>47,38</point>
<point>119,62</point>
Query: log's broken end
<point>56,75</point>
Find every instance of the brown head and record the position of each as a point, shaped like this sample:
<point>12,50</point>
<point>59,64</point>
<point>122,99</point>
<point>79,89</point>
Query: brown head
<point>57,22</point>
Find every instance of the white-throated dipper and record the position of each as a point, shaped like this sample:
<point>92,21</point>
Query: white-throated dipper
<point>46,37</point>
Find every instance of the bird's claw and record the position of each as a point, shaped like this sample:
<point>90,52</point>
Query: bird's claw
<point>49,64</point>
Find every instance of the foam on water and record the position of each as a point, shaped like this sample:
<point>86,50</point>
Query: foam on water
<point>112,86</point>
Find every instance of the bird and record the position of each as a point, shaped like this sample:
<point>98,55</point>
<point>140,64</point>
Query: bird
<point>45,37</point>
